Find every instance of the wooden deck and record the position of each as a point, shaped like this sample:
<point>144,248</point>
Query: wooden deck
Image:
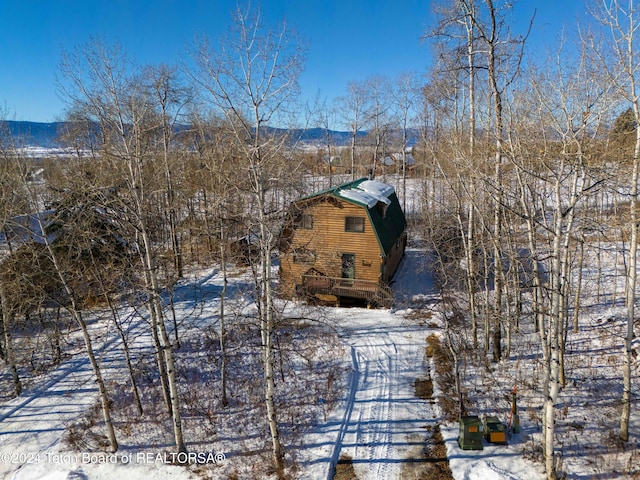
<point>372,292</point>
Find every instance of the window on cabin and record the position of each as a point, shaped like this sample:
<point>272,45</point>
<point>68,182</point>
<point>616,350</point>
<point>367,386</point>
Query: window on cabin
<point>305,221</point>
<point>354,224</point>
<point>304,256</point>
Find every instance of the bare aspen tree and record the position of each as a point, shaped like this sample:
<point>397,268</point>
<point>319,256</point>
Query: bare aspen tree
<point>217,155</point>
<point>377,106</point>
<point>351,109</point>
<point>532,193</point>
<point>458,50</point>
<point>470,231</point>
<point>324,116</point>
<point>578,284</point>
<point>169,98</point>
<point>223,330</point>
<point>469,29</point>
<point>569,103</point>
<point>9,357</point>
<point>405,95</point>
<point>252,80</point>
<point>448,152</point>
<point>127,353</point>
<point>324,119</point>
<point>456,26</point>
<point>620,61</point>
<point>502,56</point>
<point>489,35</point>
<point>57,230</point>
<point>12,201</point>
<point>98,82</point>
<point>7,321</point>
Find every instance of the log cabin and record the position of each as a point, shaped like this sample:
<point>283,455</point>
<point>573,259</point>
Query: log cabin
<point>344,244</point>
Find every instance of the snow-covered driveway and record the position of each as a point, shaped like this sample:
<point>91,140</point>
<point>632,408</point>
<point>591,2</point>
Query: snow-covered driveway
<point>381,424</point>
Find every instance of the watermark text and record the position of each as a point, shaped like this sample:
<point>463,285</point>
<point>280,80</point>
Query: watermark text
<point>138,458</point>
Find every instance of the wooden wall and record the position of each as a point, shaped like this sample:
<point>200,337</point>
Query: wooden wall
<point>393,259</point>
<point>329,241</point>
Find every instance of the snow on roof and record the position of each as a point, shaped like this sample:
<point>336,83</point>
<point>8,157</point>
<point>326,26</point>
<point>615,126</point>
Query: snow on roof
<point>359,196</point>
<point>377,188</point>
<point>369,192</point>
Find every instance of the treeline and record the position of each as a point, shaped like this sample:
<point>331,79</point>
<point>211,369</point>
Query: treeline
<point>534,175</point>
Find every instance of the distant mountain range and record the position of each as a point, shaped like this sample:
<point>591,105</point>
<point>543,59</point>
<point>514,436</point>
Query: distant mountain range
<point>45,135</point>
<point>32,134</point>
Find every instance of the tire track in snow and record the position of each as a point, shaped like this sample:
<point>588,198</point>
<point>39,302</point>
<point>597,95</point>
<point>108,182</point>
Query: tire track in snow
<point>382,416</point>
<point>371,429</point>
<point>353,388</point>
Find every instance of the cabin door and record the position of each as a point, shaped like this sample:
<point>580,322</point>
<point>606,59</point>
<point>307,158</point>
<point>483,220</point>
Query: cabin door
<point>349,265</point>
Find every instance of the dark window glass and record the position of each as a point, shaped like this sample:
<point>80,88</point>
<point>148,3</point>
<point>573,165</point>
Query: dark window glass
<point>306,222</point>
<point>354,224</point>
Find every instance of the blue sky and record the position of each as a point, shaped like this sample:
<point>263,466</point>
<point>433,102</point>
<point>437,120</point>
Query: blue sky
<point>349,39</point>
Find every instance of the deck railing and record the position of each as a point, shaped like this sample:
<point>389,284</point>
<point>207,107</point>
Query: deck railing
<point>348,287</point>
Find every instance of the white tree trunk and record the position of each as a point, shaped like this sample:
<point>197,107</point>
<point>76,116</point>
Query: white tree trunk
<point>267,324</point>
<point>632,269</point>
<point>8,342</point>
<point>77,315</point>
<point>165,345</point>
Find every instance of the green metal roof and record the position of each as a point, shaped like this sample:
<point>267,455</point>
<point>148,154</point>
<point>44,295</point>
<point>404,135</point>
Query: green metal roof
<point>388,227</point>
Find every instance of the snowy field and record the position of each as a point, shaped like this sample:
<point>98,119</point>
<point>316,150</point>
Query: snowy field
<point>367,410</point>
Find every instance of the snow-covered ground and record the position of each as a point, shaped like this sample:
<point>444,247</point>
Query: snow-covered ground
<point>381,421</point>
<point>377,420</point>
<point>33,425</point>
